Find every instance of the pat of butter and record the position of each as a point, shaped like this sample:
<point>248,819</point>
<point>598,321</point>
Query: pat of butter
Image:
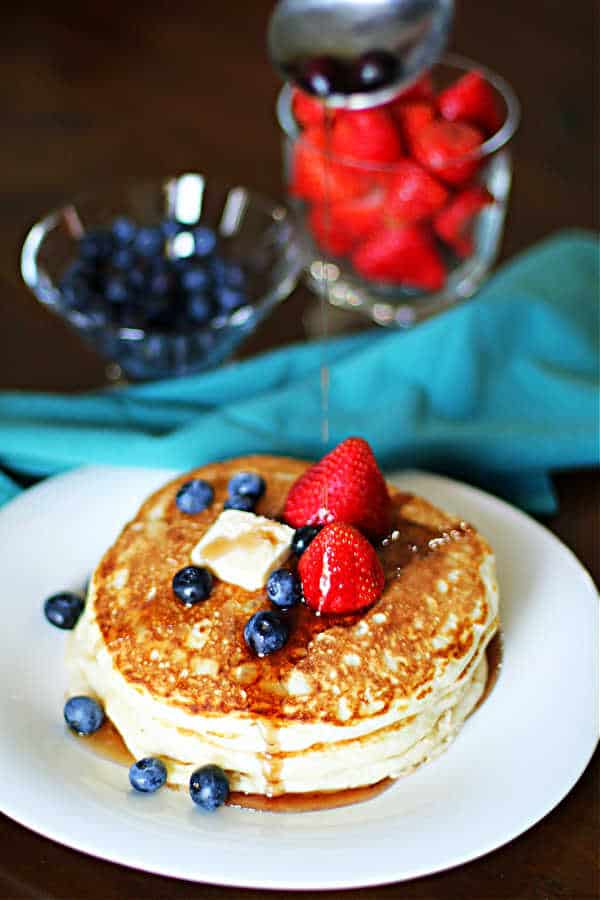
<point>243,548</point>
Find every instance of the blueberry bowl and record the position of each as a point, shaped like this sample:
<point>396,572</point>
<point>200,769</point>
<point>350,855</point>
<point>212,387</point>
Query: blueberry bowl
<point>163,277</point>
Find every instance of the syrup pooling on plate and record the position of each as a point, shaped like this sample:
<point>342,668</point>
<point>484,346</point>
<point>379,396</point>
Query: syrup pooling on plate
<point>312,715</point>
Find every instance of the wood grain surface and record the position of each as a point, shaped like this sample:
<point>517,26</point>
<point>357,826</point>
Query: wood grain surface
<point>95,90</point>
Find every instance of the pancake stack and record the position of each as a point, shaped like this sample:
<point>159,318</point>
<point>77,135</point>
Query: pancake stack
<point>348,701</point>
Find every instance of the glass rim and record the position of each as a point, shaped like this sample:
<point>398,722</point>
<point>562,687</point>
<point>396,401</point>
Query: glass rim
<point>496,141</point>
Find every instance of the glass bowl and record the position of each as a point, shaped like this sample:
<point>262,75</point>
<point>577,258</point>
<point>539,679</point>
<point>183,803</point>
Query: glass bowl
<point>113,264</point>
<point>330,253</point>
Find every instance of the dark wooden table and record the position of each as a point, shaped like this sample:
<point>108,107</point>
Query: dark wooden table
<point>91,91</point>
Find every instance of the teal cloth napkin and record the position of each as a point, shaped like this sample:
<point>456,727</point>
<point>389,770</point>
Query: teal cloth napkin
<point>498,392</point>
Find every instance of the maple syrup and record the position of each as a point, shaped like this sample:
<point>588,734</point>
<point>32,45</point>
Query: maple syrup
<point>107,743</point>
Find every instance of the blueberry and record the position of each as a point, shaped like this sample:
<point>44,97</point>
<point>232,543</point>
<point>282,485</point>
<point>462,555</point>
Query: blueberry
<point>123,258</point>
<point>284,589</point>
<point>234,276</point>
<point>246,484</point>
<point>75,290</point>
<point>95,245</point>
<point>245,504</point>
<point>136,278</point>
<point>194,279</point>
<point>170,227</point>
<point>265,632</point>
<point>147,775</point>
<point>63,609</point>
<point>230,299</point>
<point>303,536</point>
<point>115,289</point>
<point>194,496</point>
<point>218,268</point>
<point>148,241</point>
<point>205,240</point>
<point>209,787</point>
<point>83,715</point>
<point>123,230</point>
<point>200,308</point>
<point>192,584</point>
<point>161,282</point>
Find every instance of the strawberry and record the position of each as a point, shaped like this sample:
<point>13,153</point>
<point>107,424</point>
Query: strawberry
<point>307,110</point>
<point>368,135</point>
<point>340,571</point>
<point>421,89</point>
<point>444,148</point>
<point>329,233</point>
<point>405,255</point>
<point>315,177</point>
<point>453,224</point>
<point>359,216</point>
<point>413,194</point>
<point>413,117</point>
<point>345,486</point>
<point>471,99</point>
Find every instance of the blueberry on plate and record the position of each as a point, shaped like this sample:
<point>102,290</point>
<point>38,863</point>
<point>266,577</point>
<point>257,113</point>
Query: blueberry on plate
<point>303,537</point>
<point>147,775</point>
<point>284,589</point>
<point>194,496</point>
<point>192,584</point>
<point>246,484</point>
<point>83,715</point>
<point>209,787</point>
<point>63,609</point>
<point>243,503</point>
<point>265,632</point>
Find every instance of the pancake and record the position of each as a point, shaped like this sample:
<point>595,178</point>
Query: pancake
<point>348,701</point>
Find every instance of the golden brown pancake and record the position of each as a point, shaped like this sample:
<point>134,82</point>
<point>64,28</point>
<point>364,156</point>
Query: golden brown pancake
<point>378,690</point>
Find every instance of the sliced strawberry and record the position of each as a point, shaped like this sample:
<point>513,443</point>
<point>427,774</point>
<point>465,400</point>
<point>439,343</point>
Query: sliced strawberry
<point>307,110</point>
<point>444,148</point>
<point>413,194</point>
<point>368,135</point>
<point>454,223</point>
<point>403,255</point>
<point>331,235</point>
<point>472,99</point>
<point>413,117</point>
<point>359,216</point>
<point>340,571</point>
<point>345,486</point>
<point>315,177</point>
<point>422,89</point>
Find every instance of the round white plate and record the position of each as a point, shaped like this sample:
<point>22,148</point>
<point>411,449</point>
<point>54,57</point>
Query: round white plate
<point>512,763</point>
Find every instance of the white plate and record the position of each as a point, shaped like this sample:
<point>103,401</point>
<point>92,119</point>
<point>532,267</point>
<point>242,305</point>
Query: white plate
<point>512,763</point>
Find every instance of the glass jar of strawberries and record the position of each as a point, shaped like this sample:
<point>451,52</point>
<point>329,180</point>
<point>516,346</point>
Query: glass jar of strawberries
<point>402,206</point>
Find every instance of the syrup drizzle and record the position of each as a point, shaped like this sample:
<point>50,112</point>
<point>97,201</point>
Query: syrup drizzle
<point>107,743</point>
<point>325,286</point>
